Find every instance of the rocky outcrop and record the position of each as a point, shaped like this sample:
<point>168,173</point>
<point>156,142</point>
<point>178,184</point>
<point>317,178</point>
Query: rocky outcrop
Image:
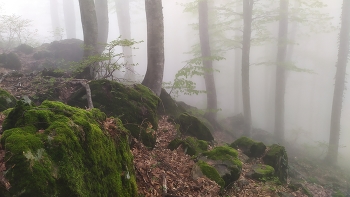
<point>249,147</point>
<point>192,126</point>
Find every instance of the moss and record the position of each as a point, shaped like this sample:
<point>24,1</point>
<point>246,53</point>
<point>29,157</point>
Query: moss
<point>70,156</point>
<point>261,171</point>
<point>276,157</point>
<point>191,145</point>
<point>190,125</point>
<point>224,153</point>
<point>168,105</point>
<point>136,106</point>
<point>249,147</point>
<point>211,173</point>
<point>6,100</point>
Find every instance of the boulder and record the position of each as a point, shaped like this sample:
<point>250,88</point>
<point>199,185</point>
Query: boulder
<point>168,106</point>
<point>192,126</point>
<point>58,150</point>
<point>261,171</point>
<point>191,145</point>
<point>249,147</point>
<point>210,172</point>
<point>276,156</point>
<point>136,106</point>
<point>6,100</point>
<point>24,48</point>
<point>10,61</point>
<point>224,160</point>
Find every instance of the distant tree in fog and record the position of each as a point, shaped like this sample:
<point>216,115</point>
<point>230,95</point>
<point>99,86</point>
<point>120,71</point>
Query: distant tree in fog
<point>56,27</point>
<point>343,55</point>
<point>155,46</point>
<point>69,18</point>
<point>102,23</point>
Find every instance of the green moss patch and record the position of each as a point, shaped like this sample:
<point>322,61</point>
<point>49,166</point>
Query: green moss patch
<point>261,171</point>
<point>276,157</point>
<point>192,126</point>
<point>58,150</point>
<point>249,147</point>
<point>191,145</point>
<point>211,173</point>
<point>136,106</point>
<point>6,100</point>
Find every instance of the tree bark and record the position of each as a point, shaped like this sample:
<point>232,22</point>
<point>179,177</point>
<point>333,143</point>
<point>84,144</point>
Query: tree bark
<point>155,46</point>
<point>124,23</point>
<point>89,23</point>
<point>247,31</point>
<point>102,23</point>
<point>280,70</point>
<point>69,18</point>
<point>55,19</point>
<point>343,54</point>
<point>237,101</point>
<point>207,62</point>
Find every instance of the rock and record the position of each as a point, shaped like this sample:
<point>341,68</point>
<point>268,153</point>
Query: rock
<point>24,48</point>
<point>68,49</point>
<point>276,157</point>
<point>192,126</point>
<point>191,145</point>
<point>10,61</point>
<point>224,160</point>
<point>6,100</point>
<point>58,150</point>
<point>168,105</point>
<point>210,172</point>
<point>136,106</point>
<point>249,147</point>
<point>261,171</point>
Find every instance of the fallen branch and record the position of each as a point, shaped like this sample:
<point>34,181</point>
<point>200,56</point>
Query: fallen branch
<point>85,84</point>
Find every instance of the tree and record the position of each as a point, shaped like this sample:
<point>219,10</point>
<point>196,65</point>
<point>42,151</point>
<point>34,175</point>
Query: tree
<point>206,60</point>
<point>155,46</point>
<point>102,23</point>
<point>56,29</point>
<point>69,18</point>
<point>247,31</point>
<point>123,13</point>
<point>89,23</point>
<point>280,70</point>
<point>343,54</point>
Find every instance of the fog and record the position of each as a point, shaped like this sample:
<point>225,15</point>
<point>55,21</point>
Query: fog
<point>308,94</point>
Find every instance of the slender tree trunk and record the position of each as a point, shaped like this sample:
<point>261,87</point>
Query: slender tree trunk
<point>339,86</point>
<point>280,70</point>
<point>237,101</point>
<point>69,18</point>
<point>102,23</point>
<point>207,62</point>
<point>89,23</point>
<point>124,23</point>
<point>155,46</point>
<point>247,31</point>
<point>55,19</point>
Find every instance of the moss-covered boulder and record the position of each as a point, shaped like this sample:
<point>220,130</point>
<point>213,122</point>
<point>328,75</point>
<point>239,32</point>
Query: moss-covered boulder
<point>6,100</point>
<point>277,157</point>
<point>225,160</point>
<point>58,150</point>
<point>261,171</point>
<point>10,61</point>
<point>24,48</point>
<point>249,147</point>
<point>168,106</point>
<point>191,145</point>
<point>210,172</point>
<point>136,106</point>
<point>192,126</point>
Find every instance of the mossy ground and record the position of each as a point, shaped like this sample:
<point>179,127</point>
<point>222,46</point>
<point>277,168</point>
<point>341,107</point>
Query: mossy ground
<point>58,150</point>
<point>136,106</point>
<point>6,100</point>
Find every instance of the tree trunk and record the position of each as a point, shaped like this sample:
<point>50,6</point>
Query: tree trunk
<point>207,62</point>
<point>280,70</point>
<point>339,86</point>
<point>123,13</point>
<point>89,23</point>
<point>237,101</point>
<point>55,19</point>
<point>102,23</point>
<point>69,18</point>
<point>155,46</point>
<point>247,31</point>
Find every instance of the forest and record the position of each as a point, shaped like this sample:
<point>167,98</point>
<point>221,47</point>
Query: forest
<point>170,92</point>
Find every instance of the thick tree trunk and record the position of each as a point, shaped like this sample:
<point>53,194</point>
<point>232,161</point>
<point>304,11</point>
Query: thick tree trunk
<point>247,31</point>
<point>102,23</point>
<point>339,86</point>
<point>280,70</point>
<point>69,18</point>
<point>89,23</point>
<point>207,62</point>
<point>124,23</point>
<point>155,46</point>
<point>237,90</point>
<point>55,19</point>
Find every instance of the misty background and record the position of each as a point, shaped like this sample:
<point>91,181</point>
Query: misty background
<point>308,94</point>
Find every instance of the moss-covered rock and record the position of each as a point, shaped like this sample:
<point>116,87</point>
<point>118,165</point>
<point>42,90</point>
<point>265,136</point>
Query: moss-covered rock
<point>191,145</point>
<point>192,126</point>
<point>6,100</point>
<point>58,150</point>
<point>225,160</point>
<point>168,106</point>
<point>261,171</point>
<point>136,106</point>
<point>210,172</point>
<point>277,157</point>
<point>10,61</point>
<point>24,48</point>
<point>249,147</point>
